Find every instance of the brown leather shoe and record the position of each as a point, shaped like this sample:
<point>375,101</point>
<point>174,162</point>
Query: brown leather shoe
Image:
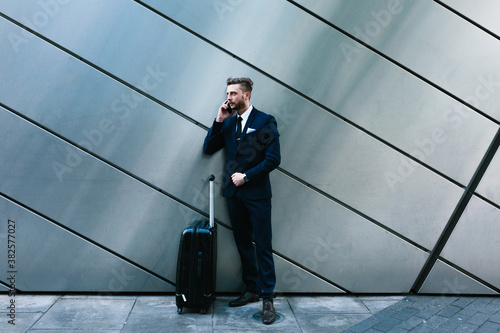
<point>268,313</point>
<point>244,299</point>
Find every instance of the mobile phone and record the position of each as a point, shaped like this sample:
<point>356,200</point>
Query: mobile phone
<point>229,110</point>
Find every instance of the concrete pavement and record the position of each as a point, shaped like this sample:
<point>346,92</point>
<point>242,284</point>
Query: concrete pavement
<point>315,314</point>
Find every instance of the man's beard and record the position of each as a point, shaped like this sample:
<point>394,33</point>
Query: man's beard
<point>239,106</point>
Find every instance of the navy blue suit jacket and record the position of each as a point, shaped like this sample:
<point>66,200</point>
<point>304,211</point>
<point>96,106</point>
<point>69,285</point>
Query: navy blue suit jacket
<point>256,156</point>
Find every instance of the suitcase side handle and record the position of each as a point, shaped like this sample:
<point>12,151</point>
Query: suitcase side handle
<point>211,219</point>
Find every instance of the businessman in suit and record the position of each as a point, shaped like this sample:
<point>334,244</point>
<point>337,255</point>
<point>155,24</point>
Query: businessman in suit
<point>251,140</point>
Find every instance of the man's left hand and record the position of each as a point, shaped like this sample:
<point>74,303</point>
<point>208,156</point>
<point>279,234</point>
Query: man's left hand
<point>237,179</point>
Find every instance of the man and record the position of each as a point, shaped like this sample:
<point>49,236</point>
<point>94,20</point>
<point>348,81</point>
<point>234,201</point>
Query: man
<point>252,152</point>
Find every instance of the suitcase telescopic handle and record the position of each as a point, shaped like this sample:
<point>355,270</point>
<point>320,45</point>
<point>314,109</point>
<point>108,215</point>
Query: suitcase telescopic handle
<point>211,219</point>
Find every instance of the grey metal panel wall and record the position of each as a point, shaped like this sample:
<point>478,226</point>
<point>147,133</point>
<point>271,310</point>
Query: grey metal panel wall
<point>444,279</point>
<point>49,258</point>
<point>104,107</point>
<point>489,187</point>
<point>480,230</point>
<point>478,14</point>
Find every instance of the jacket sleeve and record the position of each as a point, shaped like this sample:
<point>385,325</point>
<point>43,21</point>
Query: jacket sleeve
<point>214,140</point>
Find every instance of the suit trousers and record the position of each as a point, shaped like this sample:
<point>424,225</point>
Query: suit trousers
<point>251,222</point>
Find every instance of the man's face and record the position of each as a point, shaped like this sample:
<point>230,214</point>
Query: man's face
<point>236,97</point>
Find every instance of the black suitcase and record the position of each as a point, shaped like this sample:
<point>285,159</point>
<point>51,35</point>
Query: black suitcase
<point>197,262</point>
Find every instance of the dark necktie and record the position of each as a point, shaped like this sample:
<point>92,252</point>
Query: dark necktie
<point>238,130</point>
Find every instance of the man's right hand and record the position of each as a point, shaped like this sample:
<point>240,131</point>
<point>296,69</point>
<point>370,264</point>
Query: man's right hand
<point>224,112</point>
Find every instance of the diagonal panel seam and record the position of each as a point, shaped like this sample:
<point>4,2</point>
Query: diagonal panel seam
<point>471,21</point>
<point>457,214</point>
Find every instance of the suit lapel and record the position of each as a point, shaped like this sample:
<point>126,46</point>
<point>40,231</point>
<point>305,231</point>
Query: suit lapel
<point>232,130</point>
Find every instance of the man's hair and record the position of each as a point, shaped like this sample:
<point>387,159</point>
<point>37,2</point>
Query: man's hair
<point>244,82</point>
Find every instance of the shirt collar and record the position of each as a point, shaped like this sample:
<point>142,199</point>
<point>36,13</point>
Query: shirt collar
<point>244,116</point>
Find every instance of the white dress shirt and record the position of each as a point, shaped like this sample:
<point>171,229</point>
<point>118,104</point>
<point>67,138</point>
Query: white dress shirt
<point>244,118</point>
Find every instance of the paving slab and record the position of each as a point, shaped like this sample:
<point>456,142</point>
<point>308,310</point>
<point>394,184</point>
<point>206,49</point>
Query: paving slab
<point>328,323</point>
<point>28,303</point>
<point>328,304</point>
<point>27,310</point>
<point>86,314</point>
<point>22,322</point>
<point>496,317</point>
<point>159,314</point>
